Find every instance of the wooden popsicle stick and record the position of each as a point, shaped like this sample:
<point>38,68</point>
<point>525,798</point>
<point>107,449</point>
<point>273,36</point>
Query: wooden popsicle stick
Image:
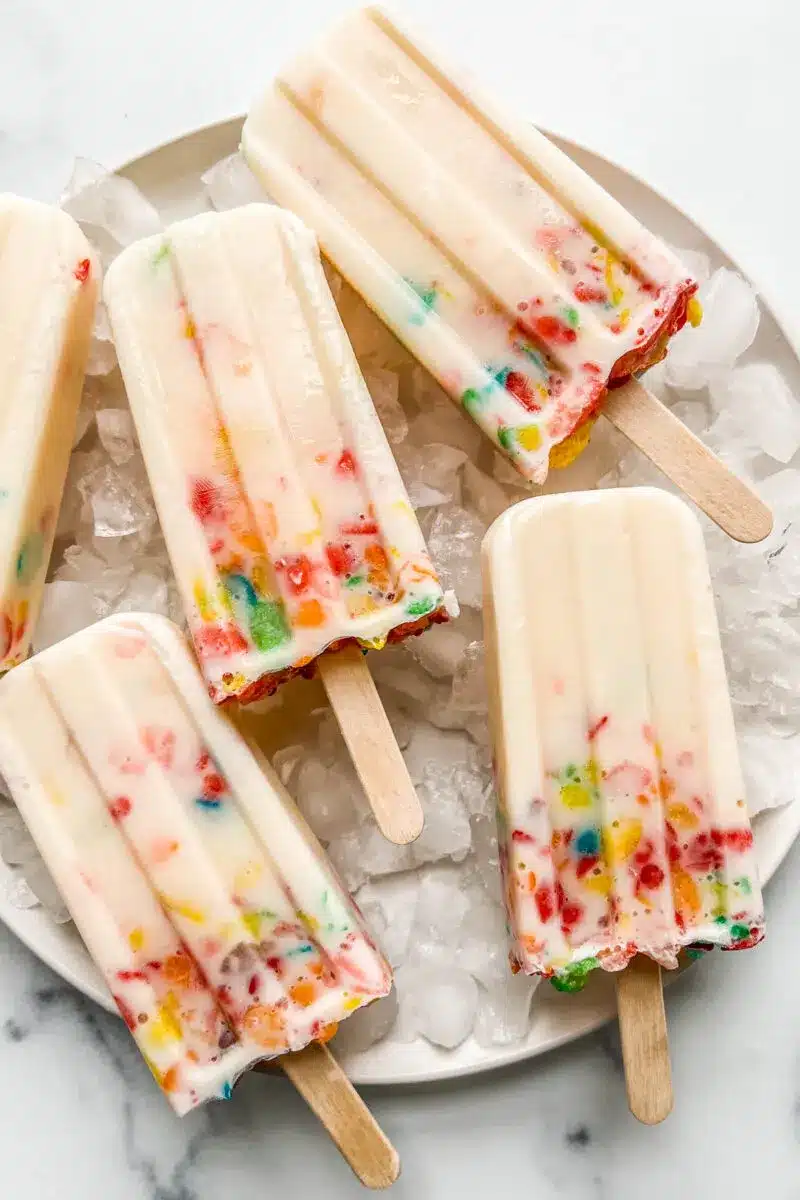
<point>645,1046</point>
<point>331,1096</point>
<point>372,744</point>
<point>727,500</point>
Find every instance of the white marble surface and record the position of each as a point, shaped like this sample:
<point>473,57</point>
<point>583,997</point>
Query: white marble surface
<point>79,1117</point>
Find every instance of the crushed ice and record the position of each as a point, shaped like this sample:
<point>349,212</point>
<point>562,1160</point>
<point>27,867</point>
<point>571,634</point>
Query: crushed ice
<point>435,906</point>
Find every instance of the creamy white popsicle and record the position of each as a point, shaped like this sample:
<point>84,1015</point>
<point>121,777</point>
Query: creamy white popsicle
<point>48,287</point>
<point>623,822</point>
<point>513,276</point>
<point>288,526</point>
<point>219,927</point>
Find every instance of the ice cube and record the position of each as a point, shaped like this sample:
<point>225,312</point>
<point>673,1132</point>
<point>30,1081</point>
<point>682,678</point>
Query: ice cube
<point>144,593</point>
<point>384,387</point>
<point>374,916</point>
<point>697,264</point>
<point>455,543</point>
<point>483,494</point>
<point>395,670</point>
<point>119,506</point>
<point>17,847</point>
<point>286,762</point>
<point>117,434</point>
<point>469,683</point>
<point>230,183</point>
<point>83,421</point>
<point>733,445</point>
<point>758,399</point>
<point>20,894</point>
<point>102,353</point>
<point>367,1026</point>
<point>363,852</point>
<point>770,765</point>
<point>486,853</point>
<point>439,1003</point>
<point>81,565</point>
<point>439,915</point>
<point>730,321</point>
<point>396,896</point>
<point>447,832</point>
<point>504,1011</point>
<point>505,473</point>
<point>483,940</point>
<point>440,650</point>
<point>41,884</point>
<point>109,208</point>
<point>75,513</point>
<point>67,607</point>
<point>440,419</point>
<point>451,770</point>
<point>373,342</point>
<point>329,797</point>
<point>430,473</point>
<point>401,724</point>
<point>695,413</point>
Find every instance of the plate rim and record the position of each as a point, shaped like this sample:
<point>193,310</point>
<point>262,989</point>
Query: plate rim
<point>46,949</point>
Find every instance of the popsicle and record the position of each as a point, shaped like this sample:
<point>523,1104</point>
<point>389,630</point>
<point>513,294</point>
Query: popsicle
<point>622,815</point>
<point>48,287</point>
<point>290,531</point>
<point>520,284</point>
<point>218,926</point>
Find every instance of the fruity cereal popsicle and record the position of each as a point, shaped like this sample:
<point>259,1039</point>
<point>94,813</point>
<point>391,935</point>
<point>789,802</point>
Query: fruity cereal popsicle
<point>287,522</point>
<point>521,285</point>
<point>205,902</point>
<point>48,287</point>
<point>623,824</point>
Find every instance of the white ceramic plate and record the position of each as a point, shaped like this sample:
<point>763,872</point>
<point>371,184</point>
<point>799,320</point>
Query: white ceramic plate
<point>170,177</point>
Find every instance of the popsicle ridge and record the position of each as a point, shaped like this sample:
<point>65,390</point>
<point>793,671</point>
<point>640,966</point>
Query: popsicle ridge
<point>623,823</point>
<point>222,934</point>
<point>466,232</point>
<point>285,516</point>
<point>48,287</point>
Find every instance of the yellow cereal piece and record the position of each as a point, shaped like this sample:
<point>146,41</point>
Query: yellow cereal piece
<point>203,601</point>
<point>599,884</point>
<point>224,599</point>
<point>694,312</point>
<point>309,536</point>
<point>682,816</point>
<point>252,923</point>
<point>719,891</point>
<point>308,919</point>
<point>567,451</point>
<point>617,293</point>
<point>234,683</point>
<point>136,938</point>
<point>352,1003</point>
<point>165,1026</point>
<point>360,606</point>
<point>372,643</point>
<point>575,795</point>
<point>622,839</point>
<point>529,437</point>
<point>184,910</point>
